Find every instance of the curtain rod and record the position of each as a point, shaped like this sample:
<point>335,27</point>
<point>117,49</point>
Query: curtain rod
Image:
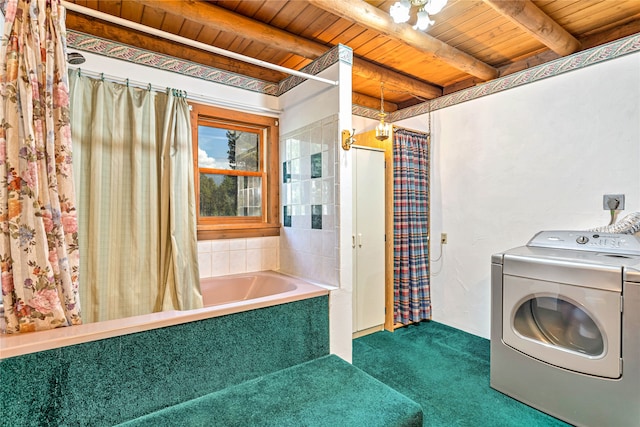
<point>411,130</point>
<point>189,42</point>
<point>235,105</point>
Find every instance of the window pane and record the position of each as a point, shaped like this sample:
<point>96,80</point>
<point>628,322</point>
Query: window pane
<point>232,149</point>
<point>226,195</point>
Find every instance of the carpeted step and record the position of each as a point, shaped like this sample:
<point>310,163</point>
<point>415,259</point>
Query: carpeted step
<point>323,392</point>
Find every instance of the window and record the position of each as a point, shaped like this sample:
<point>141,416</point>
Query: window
<point>236,173</point>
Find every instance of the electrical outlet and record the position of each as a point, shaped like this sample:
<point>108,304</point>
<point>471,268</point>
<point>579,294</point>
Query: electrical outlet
<point>613,202</point>
<point>443,238</point>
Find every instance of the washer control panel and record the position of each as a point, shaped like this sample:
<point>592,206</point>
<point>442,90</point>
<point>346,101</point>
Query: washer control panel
<point>587,241</point>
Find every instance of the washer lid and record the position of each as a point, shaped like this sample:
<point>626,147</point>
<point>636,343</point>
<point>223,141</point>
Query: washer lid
<point>610,243</point>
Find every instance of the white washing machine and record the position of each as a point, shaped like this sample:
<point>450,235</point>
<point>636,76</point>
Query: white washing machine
<point>565,326</point>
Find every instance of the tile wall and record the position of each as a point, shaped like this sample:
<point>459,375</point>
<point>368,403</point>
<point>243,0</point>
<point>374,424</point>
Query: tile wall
<point>309,198</point>
<point>233,256</point>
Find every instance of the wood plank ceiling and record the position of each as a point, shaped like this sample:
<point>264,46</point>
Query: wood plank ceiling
<point>472,41</point>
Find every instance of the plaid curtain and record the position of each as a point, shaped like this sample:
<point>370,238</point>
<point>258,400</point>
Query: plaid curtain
<point>412,301</point>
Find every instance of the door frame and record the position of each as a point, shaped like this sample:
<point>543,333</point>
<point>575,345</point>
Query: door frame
<point>368,140</point>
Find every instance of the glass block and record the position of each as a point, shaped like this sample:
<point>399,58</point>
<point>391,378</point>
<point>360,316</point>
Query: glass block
<point>316,165</point>
<point>295,170</point>
<point>296,193</point>
<point>286,172</point>
<point>316,217</point>
<point>287,216</point>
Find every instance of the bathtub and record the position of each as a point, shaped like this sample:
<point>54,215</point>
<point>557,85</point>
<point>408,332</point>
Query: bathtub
<point>222,296</point>
<point>261,285</point>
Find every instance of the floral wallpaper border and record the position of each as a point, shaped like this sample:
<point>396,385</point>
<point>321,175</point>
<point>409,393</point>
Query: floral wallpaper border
<point>111,49</point>
<point>337,53</point>
<point>559,66</point>
<point>344,53</point>
<point>136,55</point>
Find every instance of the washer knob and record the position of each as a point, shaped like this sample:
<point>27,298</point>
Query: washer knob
<point>581,240</point>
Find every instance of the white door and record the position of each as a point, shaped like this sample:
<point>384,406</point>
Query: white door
<point>369,211</point>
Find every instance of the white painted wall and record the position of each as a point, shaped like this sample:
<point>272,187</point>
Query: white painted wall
<point>363,124</point>
<point>342,300</point>
<point>304,105</point>
<point>231,97</point>
<point>536,157</point>
<point>310,101</point>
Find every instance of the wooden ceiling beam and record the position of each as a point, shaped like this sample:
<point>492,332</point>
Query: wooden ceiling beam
<point>228,21</point>
<point>537,23</point>
<point>371,102</point>
<point>615,32</point>
<point>95,27</point>
<point>391,79</point>
<point>368,16</point>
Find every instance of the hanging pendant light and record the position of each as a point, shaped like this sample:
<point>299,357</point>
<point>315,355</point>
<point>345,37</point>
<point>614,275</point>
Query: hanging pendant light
<point>382,129</point>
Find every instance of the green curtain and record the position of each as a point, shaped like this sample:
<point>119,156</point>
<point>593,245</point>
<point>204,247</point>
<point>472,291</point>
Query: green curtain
<point>38,226</point>
<point>136,201</point>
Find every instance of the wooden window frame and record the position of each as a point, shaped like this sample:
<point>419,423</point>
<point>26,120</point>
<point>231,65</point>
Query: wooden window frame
<point>237,227</point>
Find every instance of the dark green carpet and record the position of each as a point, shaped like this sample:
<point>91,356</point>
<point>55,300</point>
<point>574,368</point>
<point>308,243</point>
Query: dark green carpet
<point>446,371</point>
<point>327,392</point>
<point>109,381</point>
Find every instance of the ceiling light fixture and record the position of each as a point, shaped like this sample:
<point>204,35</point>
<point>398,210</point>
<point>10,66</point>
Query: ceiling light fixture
<point>382,130</point>
<point>400,11</point>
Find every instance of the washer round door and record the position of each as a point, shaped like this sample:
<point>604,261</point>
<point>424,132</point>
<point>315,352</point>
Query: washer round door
<point>572,327</point>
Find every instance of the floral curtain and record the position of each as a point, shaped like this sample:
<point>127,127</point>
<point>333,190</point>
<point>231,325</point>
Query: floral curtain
<point>412,300</point>
<point>136,199</point>
<point>38,229</point>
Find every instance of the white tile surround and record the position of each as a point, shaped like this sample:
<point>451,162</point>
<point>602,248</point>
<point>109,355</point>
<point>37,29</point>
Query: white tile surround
<point>304,251</point>
<point>233,256</point>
